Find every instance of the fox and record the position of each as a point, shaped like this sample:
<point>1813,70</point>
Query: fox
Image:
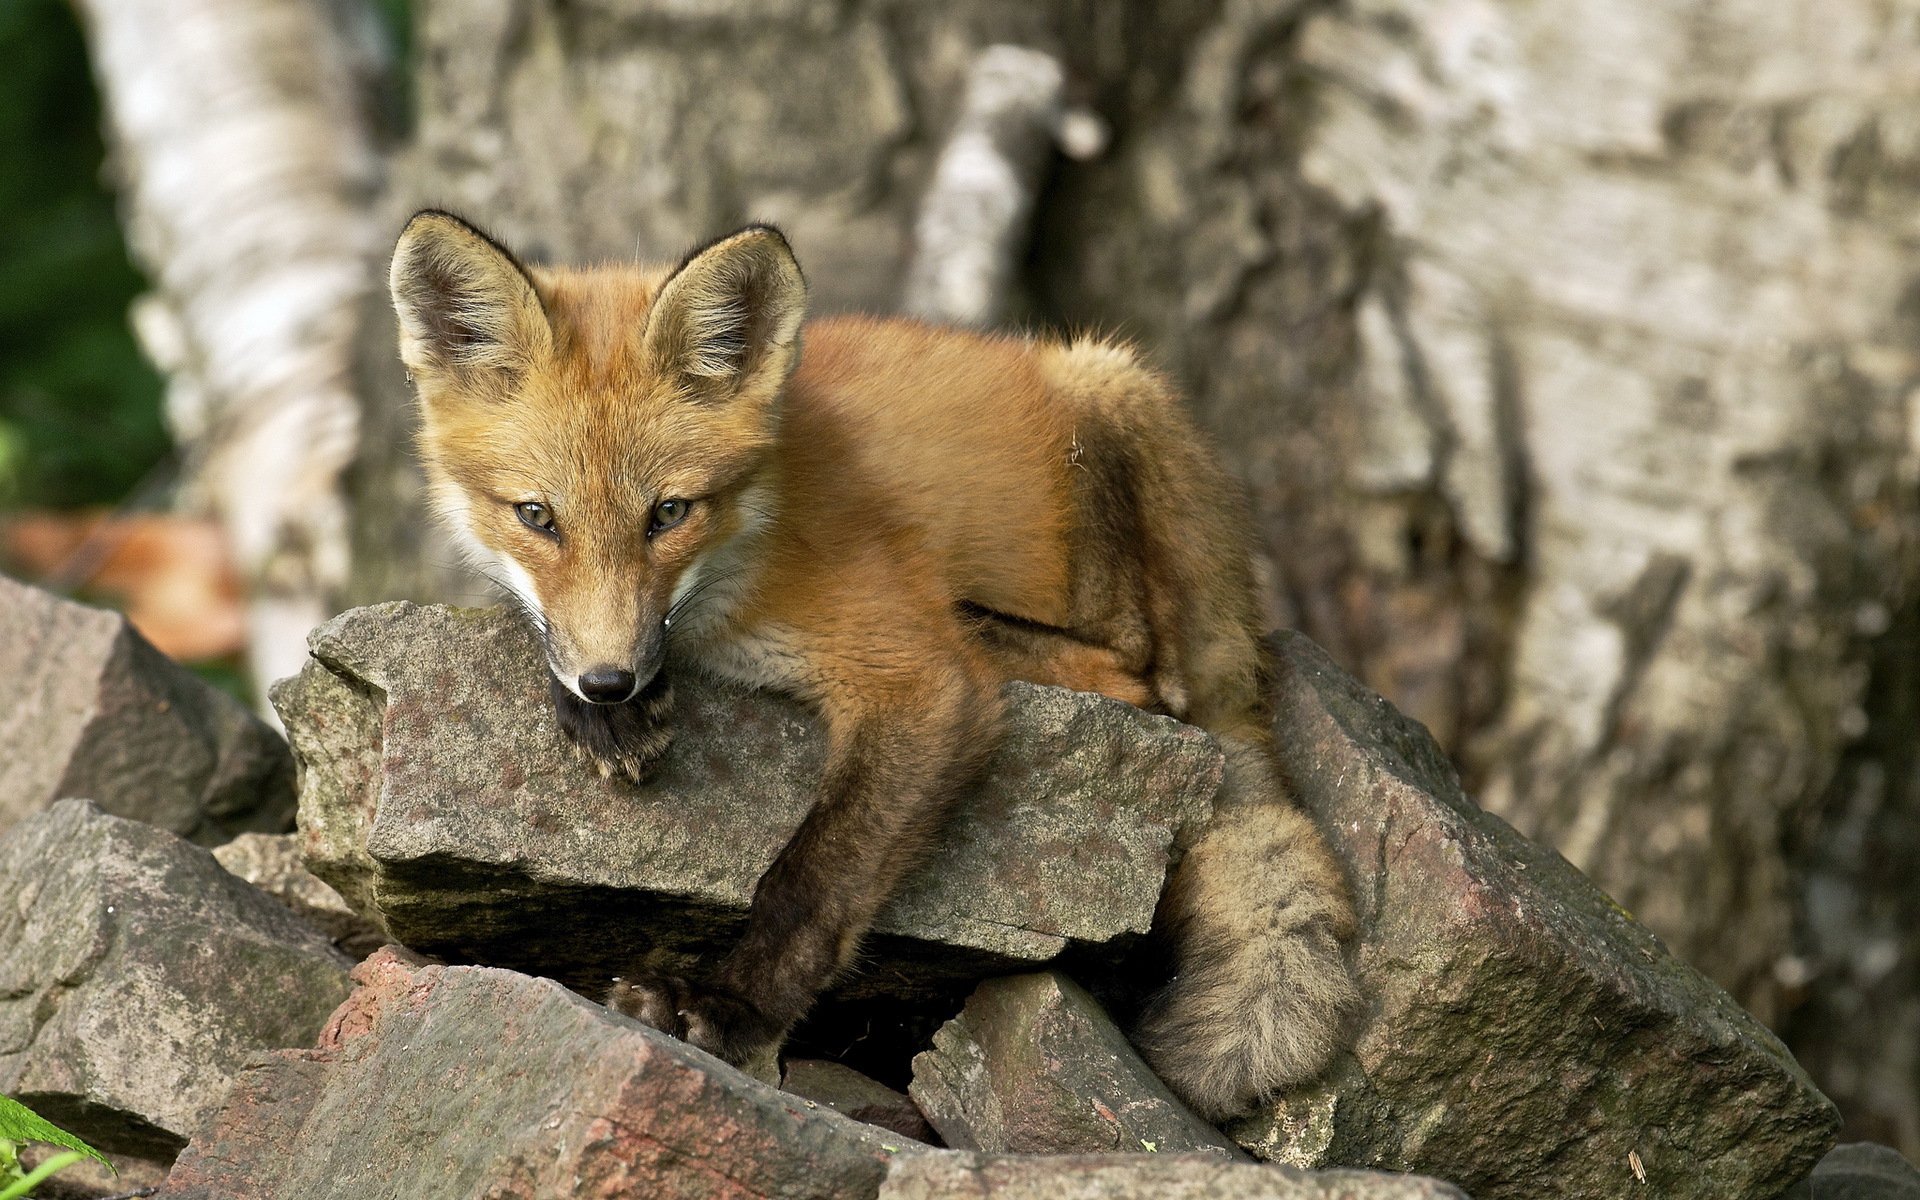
<point>675,472</point>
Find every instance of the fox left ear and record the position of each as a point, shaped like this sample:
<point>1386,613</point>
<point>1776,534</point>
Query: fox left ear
<point>727,322</point>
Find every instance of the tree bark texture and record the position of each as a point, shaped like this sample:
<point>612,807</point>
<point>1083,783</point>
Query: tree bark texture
<point>246,162</point>
<point>1569,353</point>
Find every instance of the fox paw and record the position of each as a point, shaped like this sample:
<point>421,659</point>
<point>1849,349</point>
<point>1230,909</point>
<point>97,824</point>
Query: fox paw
<point>627,739</point>
<point>722,1023</point>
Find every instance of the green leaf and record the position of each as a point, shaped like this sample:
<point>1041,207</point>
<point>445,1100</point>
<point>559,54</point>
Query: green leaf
<point>18,1123</point>
<point>27,1182</point>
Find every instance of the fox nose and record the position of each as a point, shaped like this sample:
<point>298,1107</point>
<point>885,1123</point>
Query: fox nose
<point>606,685</point>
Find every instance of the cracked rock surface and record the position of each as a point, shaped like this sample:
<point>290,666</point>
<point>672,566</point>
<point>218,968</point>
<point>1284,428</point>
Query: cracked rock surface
<point>1523,1035</point>
<point>471,1081</point>
<point>136,976</point>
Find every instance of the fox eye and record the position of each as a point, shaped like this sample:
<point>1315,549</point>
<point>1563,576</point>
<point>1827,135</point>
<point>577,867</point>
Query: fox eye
<point>669,513</point>
<point>535,515</point>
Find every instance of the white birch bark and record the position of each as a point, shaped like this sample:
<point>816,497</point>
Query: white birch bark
<point>977,214</point>
<point>1642,326</point>
<point>246,163</point>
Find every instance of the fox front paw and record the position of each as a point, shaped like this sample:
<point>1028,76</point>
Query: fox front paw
<point>626,739</point>
<point>724,1024</point>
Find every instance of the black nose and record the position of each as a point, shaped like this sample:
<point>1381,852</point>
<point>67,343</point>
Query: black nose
<point>606,685</point>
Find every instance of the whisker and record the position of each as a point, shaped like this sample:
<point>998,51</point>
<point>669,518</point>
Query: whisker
<point>685,602</point>
<point>534,616</point>
<point>700,589</point>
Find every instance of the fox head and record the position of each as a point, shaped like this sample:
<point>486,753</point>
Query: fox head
<point>598,438</point>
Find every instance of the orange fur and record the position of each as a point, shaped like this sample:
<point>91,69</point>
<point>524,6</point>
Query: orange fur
<point>889,525</point>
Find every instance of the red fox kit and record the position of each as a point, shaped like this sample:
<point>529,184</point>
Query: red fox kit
<point>889,527</point>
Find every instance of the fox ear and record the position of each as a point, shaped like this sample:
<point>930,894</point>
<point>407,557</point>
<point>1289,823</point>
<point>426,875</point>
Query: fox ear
<point>727,322</point>
<point>465,304</point>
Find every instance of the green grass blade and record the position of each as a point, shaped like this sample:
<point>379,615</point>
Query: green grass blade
<point>39,1174</point>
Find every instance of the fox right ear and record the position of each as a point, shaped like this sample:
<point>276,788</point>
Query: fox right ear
<point>465,304</point>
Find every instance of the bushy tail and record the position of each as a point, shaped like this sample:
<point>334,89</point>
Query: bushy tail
<point>1257,910</point>
<point>1255,914</point>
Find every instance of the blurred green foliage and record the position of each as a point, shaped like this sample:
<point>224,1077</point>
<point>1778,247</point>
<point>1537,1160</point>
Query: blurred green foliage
<point>79,405</point>
<point>396,22</point>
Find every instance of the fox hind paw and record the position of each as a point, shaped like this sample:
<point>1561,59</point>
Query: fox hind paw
<point>627,740</point>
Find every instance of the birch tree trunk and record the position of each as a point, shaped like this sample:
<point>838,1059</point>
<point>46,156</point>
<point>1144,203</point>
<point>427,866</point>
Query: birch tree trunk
<point>244,153</point>
<point>1569,352</point>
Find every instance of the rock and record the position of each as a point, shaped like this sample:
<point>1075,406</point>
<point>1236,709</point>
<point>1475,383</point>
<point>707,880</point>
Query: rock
<point>93,710</point>
<point>271,862</point>
<point>1141,1177</point>
<point>439,798</point>
<point>457,1082</point>
<point>1523,1036</point>
<point>849,1093</point>
<point>136,975</point>
<point>1033,1066</point>
<point>1860,1171</point>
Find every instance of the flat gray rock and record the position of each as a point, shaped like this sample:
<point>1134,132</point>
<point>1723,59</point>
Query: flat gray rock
<point>448,1083</point>
<point>1523,1036</point>
<point>136,976</point>
<point>1140,1177</point>
<point>272,863</point>
<point>439,797</point>
<point>93,710</point>
<point>1033,1066</point>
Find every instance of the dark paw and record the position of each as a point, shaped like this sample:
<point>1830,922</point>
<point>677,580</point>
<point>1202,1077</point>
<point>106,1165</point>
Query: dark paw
<point>718,1021</point>
<point>621,739</point>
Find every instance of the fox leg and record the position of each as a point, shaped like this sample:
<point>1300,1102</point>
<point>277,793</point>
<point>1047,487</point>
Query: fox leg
<point>1057,658</point>
<point>900,750</point>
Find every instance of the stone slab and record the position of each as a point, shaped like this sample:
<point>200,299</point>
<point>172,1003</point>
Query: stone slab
<point>849,1093</point>
<point>93,710</point>
<point>1141,1177</point>
<point>1523,1036</point>
<point>272,863</point>
<point>136,976</point>
<point>1032,1065</point>
<point>439,797</point>
<point>447,1083</point>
